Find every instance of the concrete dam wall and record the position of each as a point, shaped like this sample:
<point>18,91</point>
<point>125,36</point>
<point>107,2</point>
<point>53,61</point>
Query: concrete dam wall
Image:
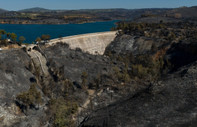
<point>94,43</point>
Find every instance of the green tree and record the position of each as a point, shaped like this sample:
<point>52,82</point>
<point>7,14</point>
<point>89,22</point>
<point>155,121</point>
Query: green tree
<point>2,32</point>
<point>38,39</point>
<point>31,97</point>
<point>61,112</point>
<point>13,37</point>
<point>21,40</point>
<point>45,37</point>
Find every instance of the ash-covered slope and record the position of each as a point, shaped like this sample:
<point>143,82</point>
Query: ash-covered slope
<point>168,102</point>
<point>71,64</point>
<point>139,81</point>
<point>126,44</point>
<point>14,73</point>
<point>15,78</point>
<point>35,79</point>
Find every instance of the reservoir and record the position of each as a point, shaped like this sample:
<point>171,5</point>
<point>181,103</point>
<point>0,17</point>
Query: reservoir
<point>32,31</point>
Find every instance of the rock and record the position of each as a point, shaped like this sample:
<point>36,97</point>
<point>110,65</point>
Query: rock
<point>15,79</point>
<point>182,53</point>
<point>71,64</point>
<point>126,44</point>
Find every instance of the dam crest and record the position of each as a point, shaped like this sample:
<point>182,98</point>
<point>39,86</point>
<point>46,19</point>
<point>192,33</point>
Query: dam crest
<point>93,43</point>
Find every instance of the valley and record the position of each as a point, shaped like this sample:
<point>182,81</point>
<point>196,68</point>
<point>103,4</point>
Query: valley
<point>142,73</point>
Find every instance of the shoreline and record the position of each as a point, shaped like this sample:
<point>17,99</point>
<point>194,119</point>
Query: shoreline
<point>56,23</point>
<point>56,30</point>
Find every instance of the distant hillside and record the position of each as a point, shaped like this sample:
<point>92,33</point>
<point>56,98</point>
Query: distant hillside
<point>39,15</point>
<point>183,12</point>
<point>36,9</point>
<point>2,10</point>
<point>46,16</point>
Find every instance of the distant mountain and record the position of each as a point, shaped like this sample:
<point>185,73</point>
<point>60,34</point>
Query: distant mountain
<point>2,10</point>
<point>184,12</point>
<point>48,16</point>
<point>36,9</point>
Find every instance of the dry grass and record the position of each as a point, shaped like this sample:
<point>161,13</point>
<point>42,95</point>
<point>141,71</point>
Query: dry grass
<point>13,46</point>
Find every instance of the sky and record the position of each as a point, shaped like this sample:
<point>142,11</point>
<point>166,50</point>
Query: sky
<point>94,4</point>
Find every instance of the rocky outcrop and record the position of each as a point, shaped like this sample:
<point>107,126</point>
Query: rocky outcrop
<point>71,64</point>
<point>15,78</point>
<point>39,61</point>
<point>182,53</point>
<point>18,72</point>
<point>125,44</point>
<point>94,43</point>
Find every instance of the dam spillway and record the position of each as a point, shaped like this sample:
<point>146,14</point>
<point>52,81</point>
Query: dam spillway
<point>93,43</point>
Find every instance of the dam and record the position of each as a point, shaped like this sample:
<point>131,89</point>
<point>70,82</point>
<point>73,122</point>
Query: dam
<point>93,43</point>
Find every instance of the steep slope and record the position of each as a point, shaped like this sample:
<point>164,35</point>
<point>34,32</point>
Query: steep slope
<point>169,102</point>
<point>73,63</point>
<point>15,78</point>
<point>39,61</point>
<point>168,98</point>
<point>146,77</point>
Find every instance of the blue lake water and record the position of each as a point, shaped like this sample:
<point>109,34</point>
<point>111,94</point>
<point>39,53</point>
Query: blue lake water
<point>31,32</point>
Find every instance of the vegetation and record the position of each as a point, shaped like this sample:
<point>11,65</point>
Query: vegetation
<point>38,39</point>
<point>45,37</point>
<point>21,40</point>
<point>61,111</point>
<point>38,16</point>
<point>61,96</point>
<point>122,76</point>
<point>168,31</point>
<point>84,77</point>
<point>12,36</point>
<point>140,67</point>
<point>7,38</point>
<point>61,105</point>
<point>3,39</point>
<point>31,98</point>
<point>153,64</point>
